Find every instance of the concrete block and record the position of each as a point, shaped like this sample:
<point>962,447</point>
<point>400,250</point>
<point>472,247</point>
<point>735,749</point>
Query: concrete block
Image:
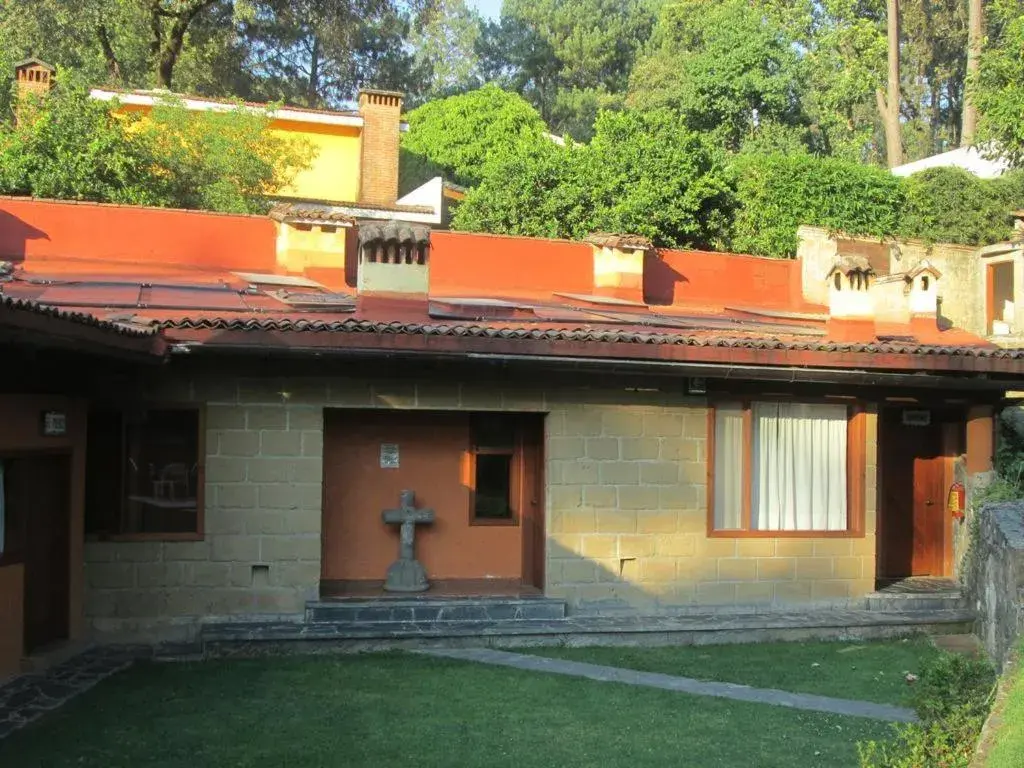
<point>614,521</point>
<point>305,417</point>
<point>659,473</point>
<point>776,568</point>
<point>221,521</point>
<point>110,575</point>
<point>582,422</point>
<point>225,417</point>
<point>597,546</point>
<point>280,443</point>
<point>236,548</point>
<point>579,572</point>
<point>600,496</point>
<point>350,393</point>
<point>752,593</point>
<point>603,448</point>
<point>100,551</point>
<point>568,448</point>
<point>622,422</point>
<point>290,496</point>
<point>815,567</point>
<point>234,443</point>
<point>441,395</point>
<point>848,567</point>
<point>716,594</point>
<point>636,546</point>
<point>676,544</point>
<point>235,495</point>
<point>663,424</point>
<point>792,591</point>
<point>693,473</point>
<point>657,521</point>
<point>682,449</point>
<point>223,469</point>
<point>619,473</point>
<point>259,417</point>
<point>276,548</point>
<point>279,601</point>
<point>638,497</point>
<point>209,574</point>
<point>826,590</point>
<point>579,472</point>
<point>313,444</point>
<point>737,569</point>
<point>755,547</point>
<point>565,497</point>
<point>832,547</point>
<point>186,550</point>
<point>794,547</point>
<point>273,470</point>
<point>562,545</point>
<point>657,569</point>
<point>523,399</point>
<point>578,520</point>
<point>138,551</point>
<point>717,547</point>
<point>640,448</point>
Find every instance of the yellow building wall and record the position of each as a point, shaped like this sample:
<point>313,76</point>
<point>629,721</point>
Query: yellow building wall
<point>334,171</point>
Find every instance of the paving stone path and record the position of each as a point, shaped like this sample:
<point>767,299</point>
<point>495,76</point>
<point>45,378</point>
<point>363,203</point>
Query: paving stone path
<point>28,697</point>
<point>680,684</point>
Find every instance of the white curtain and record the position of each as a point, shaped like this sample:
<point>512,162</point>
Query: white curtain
<point>799,466</point>
<point>3,518</point>
<point>728,490</point>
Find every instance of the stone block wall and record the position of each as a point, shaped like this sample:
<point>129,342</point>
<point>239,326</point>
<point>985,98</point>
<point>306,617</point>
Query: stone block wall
<point>626,507</point>
<point>996,583</point>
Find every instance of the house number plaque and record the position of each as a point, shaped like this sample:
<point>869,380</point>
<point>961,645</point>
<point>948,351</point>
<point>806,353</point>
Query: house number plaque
<point>389,458</point>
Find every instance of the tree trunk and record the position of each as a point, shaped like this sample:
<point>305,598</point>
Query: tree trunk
<point>313,83</point>
<point>975,33</point>
<point>889,103</point>
<point>113,65</point>
<point>169,49</point>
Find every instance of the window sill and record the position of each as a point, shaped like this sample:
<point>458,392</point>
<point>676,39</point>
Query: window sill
<point>485,521</point>
<point>127,537</point>
<point>785,534</point>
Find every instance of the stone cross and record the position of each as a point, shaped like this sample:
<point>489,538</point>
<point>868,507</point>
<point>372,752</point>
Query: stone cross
<point>407,574</point>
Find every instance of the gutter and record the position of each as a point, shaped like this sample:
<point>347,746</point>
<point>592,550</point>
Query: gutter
<point>727,371</point>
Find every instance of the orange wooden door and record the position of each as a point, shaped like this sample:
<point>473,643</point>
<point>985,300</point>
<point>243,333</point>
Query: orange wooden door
<point>929,516</point>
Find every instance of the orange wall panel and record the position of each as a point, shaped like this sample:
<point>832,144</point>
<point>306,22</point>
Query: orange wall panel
<point>432,450</point>
<point>727,279</point>
<point>37,229</point>
<point>11,618</point>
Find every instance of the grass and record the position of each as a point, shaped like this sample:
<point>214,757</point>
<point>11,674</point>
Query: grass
<point>390,710</point>
<point>870,671</point>
<point>1007,749</point>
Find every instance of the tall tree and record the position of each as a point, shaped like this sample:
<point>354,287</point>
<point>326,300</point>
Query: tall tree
<point>998,88</point>
<point>889,102</point>
<point>976,32</point>
<point>444,37</point>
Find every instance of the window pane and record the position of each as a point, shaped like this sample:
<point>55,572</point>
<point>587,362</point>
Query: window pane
<point>493,497</point>
<point>162,472</point>
<point>799,467</point>
<point>728,492</point>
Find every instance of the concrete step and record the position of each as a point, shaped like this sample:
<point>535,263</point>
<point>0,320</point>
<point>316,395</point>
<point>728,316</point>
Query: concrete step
<point>359,611</point>
<point>888,601</point>
<point>259,638</point>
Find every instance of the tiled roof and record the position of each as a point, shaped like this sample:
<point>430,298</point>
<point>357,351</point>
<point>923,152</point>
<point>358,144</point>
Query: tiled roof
<point>72,316</point>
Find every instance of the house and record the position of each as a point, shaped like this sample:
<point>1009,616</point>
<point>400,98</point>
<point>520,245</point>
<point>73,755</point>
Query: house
<point>200,424</point>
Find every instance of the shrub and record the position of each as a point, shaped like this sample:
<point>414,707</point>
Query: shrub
<point>952,205</point>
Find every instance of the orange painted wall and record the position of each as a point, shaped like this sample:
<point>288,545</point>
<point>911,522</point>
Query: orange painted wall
<point>19,415</point>
<point>493,265</point>
<point>11,617</point>
<point>432,447</point>
<point>31,229</point>
<point>727,279</point>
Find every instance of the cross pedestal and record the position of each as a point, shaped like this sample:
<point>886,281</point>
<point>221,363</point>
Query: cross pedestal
<point>407,574</point>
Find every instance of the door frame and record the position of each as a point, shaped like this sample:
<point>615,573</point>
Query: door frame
<point>952,439</point>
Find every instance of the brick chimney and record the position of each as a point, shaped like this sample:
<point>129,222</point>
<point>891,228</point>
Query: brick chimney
<point>33,78</point>
<point>619,265</point>
<point>394,260</point>
<point>851,306</point>
<point>378,151</point>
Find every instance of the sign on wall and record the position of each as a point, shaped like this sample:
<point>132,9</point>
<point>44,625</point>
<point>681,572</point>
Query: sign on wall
<point>917,418</point>
<point>54,423</point>
<point>389,458</point>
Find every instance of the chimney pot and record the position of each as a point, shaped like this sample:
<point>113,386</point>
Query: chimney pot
<point>394,259</point>
<point>619,265</point>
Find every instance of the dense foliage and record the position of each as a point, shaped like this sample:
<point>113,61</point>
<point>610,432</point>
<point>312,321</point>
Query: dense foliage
<point>642,173</point>
<point>999,88</point>
<point>69,146</point>
<point>952,698</point>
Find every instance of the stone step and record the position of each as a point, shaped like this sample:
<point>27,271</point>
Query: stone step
<point>886,601</point>
<point>358,611</point>
<point>258,638</point>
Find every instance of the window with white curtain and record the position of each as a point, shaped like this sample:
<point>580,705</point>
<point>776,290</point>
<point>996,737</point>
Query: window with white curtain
<point>781,466</point>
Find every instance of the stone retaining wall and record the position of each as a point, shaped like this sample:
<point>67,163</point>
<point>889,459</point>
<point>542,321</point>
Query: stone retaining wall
<point>996,582</point>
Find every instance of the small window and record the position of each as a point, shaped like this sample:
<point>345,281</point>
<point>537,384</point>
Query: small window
<point>144,472</point>
<point>781,468</point>
<point>838,281</point>
<point>495,469</point>
<point>924,282</point>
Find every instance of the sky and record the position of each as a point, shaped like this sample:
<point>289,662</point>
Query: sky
<point>489,9</point>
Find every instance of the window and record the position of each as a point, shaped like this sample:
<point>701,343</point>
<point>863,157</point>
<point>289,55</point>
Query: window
<point>144,472</point>
<point>495,469</point>
<point>1000,298</point>
<point>782,468</point>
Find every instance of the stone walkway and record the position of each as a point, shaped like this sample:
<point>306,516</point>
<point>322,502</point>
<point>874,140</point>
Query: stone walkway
<point>30,696</point>
<point>601,673</point>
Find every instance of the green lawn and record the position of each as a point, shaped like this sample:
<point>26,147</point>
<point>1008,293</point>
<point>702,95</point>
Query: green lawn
<point>390,710</point>
<point>867,671</point>
<point>1008,740</point>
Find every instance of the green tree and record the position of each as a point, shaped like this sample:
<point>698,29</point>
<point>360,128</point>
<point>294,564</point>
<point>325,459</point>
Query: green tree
<point>643,173</point>
<point>69,146</point>
<point>951,205</point>
<point>457,135</point>
<point>444,38</point>
<point>998,88</point>
<point>727,68</point>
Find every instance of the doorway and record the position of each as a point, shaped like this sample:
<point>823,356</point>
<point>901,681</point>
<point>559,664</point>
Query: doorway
<point>915,465</point>
<point>37,503</point>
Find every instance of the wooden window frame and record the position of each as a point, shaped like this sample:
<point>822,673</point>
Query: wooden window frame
<point>856,436</point>
<point>516,479</point>
<point>200,533</point>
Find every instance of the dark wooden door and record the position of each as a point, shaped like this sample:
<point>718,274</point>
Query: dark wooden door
<point>532,504</point>
<point>911,537</point>
<point>37,492</point>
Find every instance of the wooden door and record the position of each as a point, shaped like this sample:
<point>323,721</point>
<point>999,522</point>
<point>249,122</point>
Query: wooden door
<point>37,492</point>
<point>912,518</point>
<point>532,495</point>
